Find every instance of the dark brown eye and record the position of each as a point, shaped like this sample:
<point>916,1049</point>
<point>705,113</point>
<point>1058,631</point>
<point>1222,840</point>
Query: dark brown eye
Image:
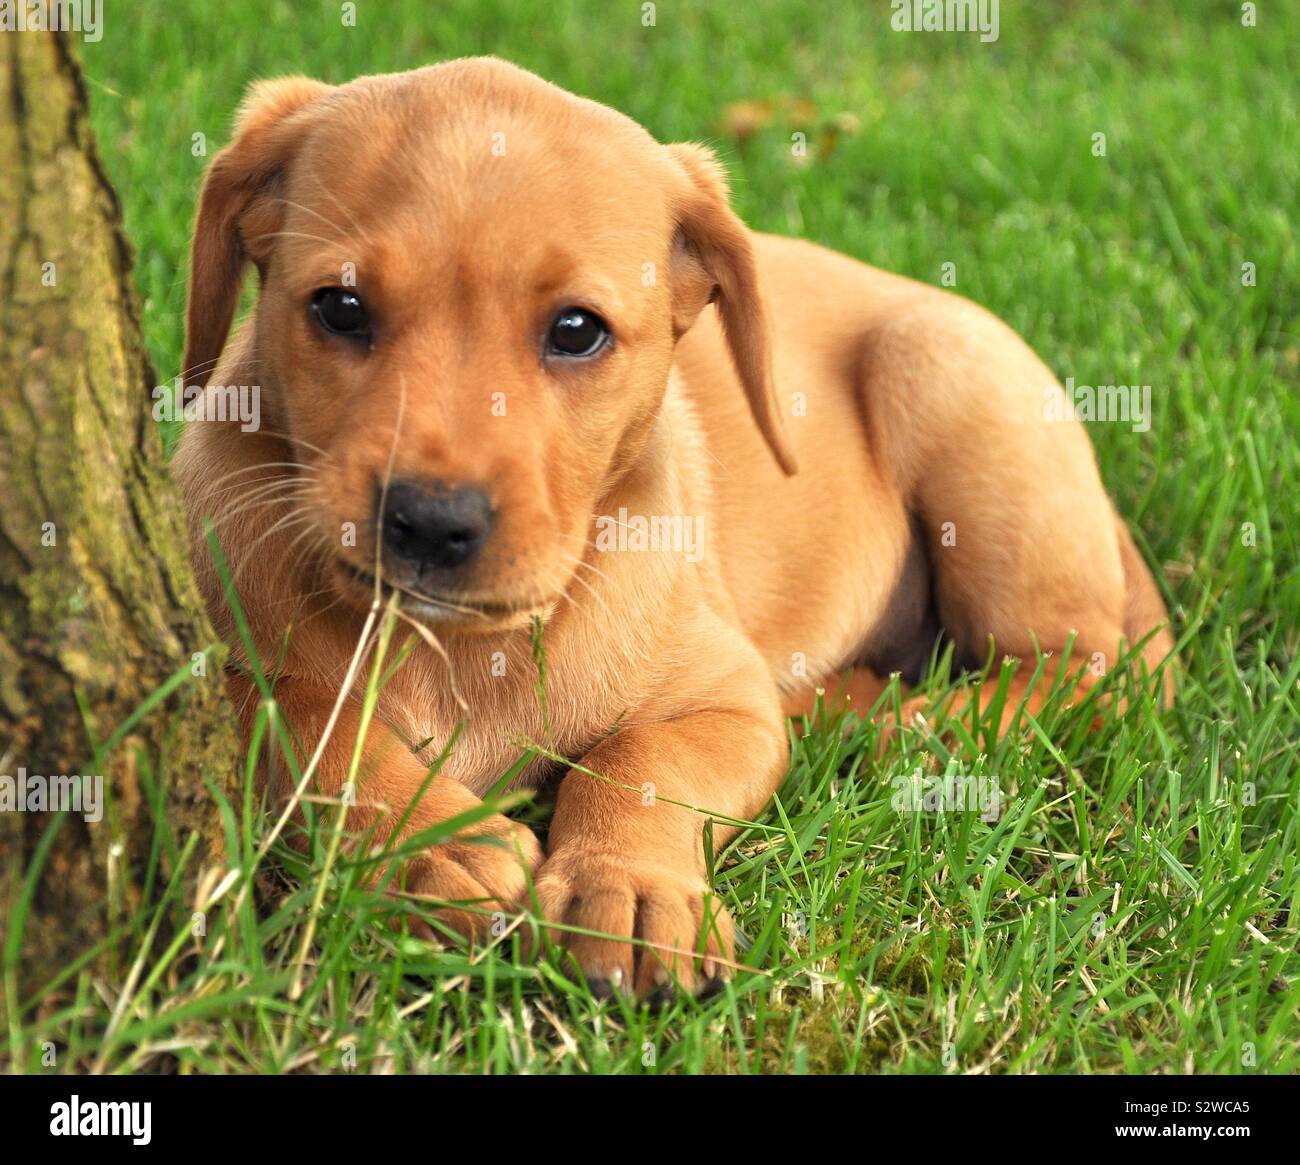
<point>340,311</point>
<point>576,332</point>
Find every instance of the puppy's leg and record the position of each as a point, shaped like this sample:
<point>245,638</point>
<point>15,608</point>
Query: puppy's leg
<point>626,850</point>
<point>854,690</point>
<point>482,870</point>
<point>1026,550</point>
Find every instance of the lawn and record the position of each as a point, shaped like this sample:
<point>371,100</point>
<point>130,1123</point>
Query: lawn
<point>1133,906</point>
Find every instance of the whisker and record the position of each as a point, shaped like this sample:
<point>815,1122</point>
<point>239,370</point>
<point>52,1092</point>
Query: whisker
<point>290,202</point>
<point>591,566</point>
<point>225,517</point>
<point>309,532</point>
<point>206,367</point>
<point>260,465</point>
<point>248,558</point>
<point>300,235</point>
<point>356,226</point>
<point>257,485</point>
<point>575,577</point>
<point>295,439</point>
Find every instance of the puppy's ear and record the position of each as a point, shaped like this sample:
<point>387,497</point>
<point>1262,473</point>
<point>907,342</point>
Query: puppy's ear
<point>238,212</point>
<point>713,262</point>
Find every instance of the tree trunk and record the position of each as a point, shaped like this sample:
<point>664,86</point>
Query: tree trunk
<point>97,605</point>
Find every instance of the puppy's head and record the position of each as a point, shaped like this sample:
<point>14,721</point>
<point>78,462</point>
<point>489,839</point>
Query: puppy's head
<point>471,284</point>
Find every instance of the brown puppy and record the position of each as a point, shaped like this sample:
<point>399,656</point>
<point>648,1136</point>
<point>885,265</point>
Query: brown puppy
<point>508,347</point>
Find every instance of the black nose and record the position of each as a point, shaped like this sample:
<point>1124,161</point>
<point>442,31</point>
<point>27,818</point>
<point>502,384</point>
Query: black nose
<point>434,527</point>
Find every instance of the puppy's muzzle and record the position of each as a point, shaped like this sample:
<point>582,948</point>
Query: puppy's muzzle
<point>432,529</point>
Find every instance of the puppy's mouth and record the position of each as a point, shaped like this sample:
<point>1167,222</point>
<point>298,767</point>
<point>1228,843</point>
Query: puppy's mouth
<point>433,608</point>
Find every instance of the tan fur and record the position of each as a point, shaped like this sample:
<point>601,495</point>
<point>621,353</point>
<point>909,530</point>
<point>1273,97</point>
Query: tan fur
<point>664,675</point>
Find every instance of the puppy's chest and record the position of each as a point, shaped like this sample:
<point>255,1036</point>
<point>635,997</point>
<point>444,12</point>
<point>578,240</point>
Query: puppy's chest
<point>489,707</point>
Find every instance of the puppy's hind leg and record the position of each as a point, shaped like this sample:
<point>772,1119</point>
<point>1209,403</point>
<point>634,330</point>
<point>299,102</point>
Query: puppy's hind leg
<point>856,689</point>
<point>1026,550</point>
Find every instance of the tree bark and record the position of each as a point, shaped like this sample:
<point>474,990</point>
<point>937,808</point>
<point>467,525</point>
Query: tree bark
<point>97,605</point>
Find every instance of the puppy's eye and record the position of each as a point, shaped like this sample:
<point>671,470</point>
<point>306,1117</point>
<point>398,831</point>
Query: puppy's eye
<point>576,332</point>
<point>340,311</point>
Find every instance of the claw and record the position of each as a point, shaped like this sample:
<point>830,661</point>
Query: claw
<point>660,998</point>
<point>710,988</point>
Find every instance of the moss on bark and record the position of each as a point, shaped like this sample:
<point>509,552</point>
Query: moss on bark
<point>97,604</point>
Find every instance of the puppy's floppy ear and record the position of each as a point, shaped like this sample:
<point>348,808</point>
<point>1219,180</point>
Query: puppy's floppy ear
<point>238,212</point>
<point>713,262</point>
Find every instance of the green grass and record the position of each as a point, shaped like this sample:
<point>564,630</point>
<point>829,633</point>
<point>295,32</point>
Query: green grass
<point>1134,907</point>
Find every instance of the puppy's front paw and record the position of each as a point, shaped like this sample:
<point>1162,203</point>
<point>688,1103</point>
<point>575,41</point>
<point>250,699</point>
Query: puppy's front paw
<point>477,874</point>
<point>684,933</point>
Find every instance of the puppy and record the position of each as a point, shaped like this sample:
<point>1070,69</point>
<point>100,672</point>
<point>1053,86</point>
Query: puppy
<point>523,368</point>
